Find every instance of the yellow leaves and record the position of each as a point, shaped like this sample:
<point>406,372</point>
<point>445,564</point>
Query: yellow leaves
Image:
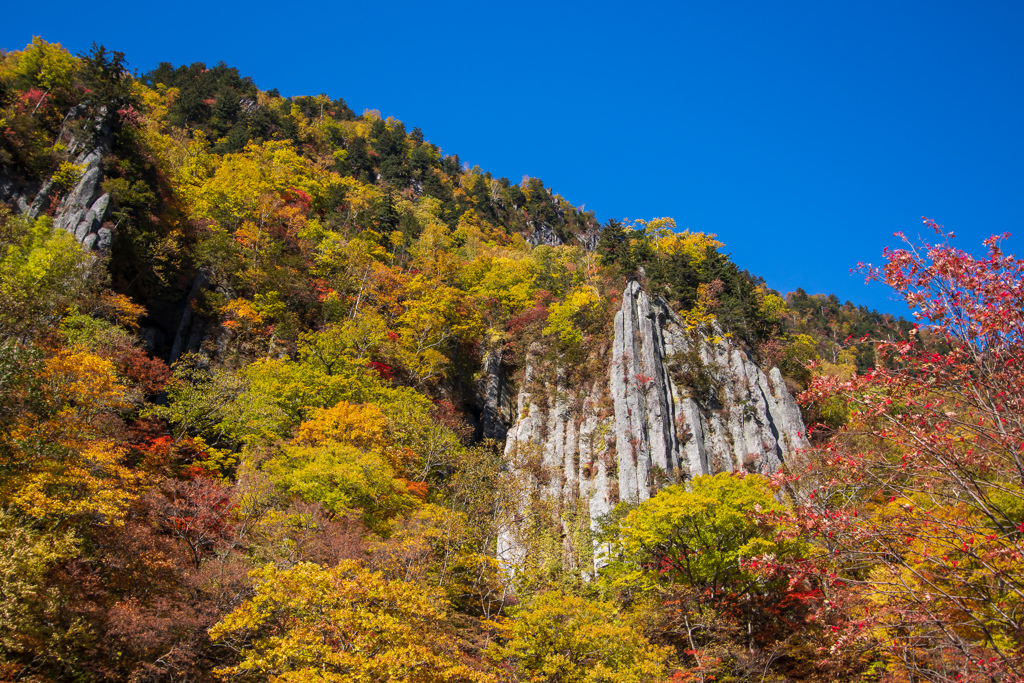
<point>240,315</point>
<point>701,317</point>
<point>91,482</point>
<point>341,477</point>
<point>428,212</point>
<point>357,425</point>
<point>562,637</point>
<point>568,316</point>
<point>57,459</point>
<point>251,236</point>
<point>771,306</point>
<point>409,552</point>
<point>67,175</point>
<point>701,531</point>
<point>26,555</point>
<point>656,228</point>
<point>950,561</point>
<point>508,281</point>
<point>84,385</point>
<point>436,316</point>
<point>360,197</point>
<point>844,367</point>
<point>41,270</point>
<point>436,546</point>
<point>157,100</point>
<point>240,185</point>
<point>122,310</point>
<point>433,252</point>
<point>192,168</point>
<point>692,244</point>
<point>345,623</point>
<point>46,65</point>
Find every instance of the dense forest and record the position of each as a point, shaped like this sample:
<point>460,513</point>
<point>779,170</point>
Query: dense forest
<point>241,434</point>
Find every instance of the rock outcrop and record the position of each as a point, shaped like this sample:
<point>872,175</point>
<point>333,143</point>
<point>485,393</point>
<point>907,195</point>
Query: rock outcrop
<point>543,233</point>
<point>83,211</point>
<point>494,395</point>
<point>674,405</point>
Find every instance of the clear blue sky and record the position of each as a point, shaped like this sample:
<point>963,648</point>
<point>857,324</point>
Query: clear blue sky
<point>802,133</point>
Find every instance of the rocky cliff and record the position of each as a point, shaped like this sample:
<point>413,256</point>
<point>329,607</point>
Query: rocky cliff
<point>674,404</point>
<point>83,210</point>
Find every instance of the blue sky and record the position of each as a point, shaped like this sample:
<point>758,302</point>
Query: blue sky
<point>803,133</point>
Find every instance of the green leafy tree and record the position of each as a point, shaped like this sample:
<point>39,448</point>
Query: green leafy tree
<point>46,65</point>
<point>699,534</point>
<point>571,317</point>
<point>27,605</point>
<point>341,478</point>
<point>42,271</point>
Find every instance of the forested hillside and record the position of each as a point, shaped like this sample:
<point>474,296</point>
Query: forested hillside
<point>258,365</point>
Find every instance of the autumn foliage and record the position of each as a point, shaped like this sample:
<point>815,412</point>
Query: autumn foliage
<point>249,439</point>
<point>919,499</point>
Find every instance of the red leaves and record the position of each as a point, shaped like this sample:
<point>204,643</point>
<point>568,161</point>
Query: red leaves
<point>384,370</point>
<point>129,116</point>
<point>417,488</point>
<point>30,100</point>
<point>149,374</point>
<point>643,382</point>
<point>531,317</point>
<point>931,453</point>
<point>198,512</point>
<point>299,198</point>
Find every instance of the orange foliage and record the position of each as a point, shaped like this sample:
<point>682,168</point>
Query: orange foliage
<point>361,425</point>
<point>59,454</point>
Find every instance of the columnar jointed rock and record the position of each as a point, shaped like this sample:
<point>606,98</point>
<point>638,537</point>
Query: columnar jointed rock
<point>675,405</point>
<point>495,397</point>
<point>561,458</point>
<point>543,233</point>
<point>83,211</point>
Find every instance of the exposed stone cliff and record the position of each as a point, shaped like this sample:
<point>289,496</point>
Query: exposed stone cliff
<point>673,405</point>
<point>83,211</point>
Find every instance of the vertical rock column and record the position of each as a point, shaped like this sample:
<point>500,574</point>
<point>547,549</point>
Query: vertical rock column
<point>559,451</point>
<point>641,387</point>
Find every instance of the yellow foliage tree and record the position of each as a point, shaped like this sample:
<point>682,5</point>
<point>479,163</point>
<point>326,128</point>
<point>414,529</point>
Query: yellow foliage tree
<point>565,638</point>
<point>341,478</point>
<point>362,426</point>
<point>46,65</point>
<point>567,317</point>
<point>341,625</point>
<point>692,244</point>
<point>246,187</point>
<point>507,281</point>
<point>435,317</point>
<point>57,453</point>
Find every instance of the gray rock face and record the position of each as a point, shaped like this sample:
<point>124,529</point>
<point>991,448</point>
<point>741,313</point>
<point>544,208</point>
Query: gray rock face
<point>33,198</point>
<point>561,457</point>
<point>674,405</point>
<point>495,395</point>
<point>84,209</point>
<point>589,239</point>
<point>543,234</point>
<point>189,336</point>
